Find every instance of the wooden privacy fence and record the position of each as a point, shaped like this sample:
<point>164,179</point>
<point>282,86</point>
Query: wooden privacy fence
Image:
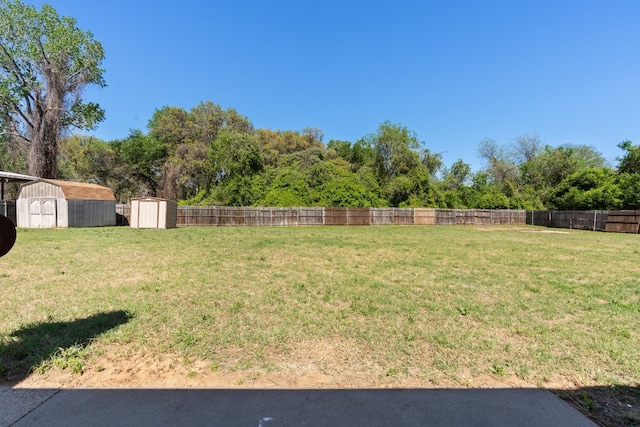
<point>579,220</point>
<point>477,216</point>
<point>245,216</point>
<point>623,222</point>
<point>232,216</point>
<point>610,221</point>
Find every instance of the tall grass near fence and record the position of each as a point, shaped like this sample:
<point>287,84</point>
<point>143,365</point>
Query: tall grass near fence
<point>385,305</point>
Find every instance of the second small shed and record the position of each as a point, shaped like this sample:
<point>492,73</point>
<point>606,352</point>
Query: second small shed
<point>47,203</point>
<point>152,212</point>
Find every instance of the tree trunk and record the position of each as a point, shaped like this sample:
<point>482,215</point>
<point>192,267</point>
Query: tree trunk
<point>43,153</point>
<point>43,156</point>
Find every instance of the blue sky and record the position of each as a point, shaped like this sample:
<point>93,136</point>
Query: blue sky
<point>455,72</point>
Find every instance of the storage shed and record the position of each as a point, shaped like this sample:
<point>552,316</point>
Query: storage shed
<point>152,212</point>
<point>48,203</point>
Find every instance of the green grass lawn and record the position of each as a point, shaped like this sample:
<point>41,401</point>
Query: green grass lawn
<point>434,304</point>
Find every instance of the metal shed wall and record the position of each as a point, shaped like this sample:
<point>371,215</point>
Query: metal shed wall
<point>91,213</point>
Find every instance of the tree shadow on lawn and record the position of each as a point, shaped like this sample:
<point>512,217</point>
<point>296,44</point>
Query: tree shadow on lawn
<point>32,345</point>
<point>616,405</point>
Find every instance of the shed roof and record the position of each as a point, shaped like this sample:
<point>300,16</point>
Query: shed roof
<point>79,190</point>
<point>151,199</point>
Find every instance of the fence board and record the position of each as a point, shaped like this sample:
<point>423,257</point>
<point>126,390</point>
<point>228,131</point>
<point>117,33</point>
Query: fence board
<point>403,216</point>
<point>335,216</point>
<point>464,217</point>
<point>445,216</point>
<point>196,215</point>
<point>284,217</point>
<point>541,218</point>
<point>310,216</point>
<point>382,216</point>
<point>482,217</point>
<point>623,222</point>
<point>358,216</point>
<point>424,216</point>
<point>581,220</point>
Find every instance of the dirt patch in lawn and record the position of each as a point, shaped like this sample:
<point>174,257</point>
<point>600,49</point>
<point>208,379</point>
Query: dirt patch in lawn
<point>331,367</point>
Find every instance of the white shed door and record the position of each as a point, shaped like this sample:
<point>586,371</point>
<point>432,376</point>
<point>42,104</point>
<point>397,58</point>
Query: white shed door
<point>42,213</point>
<point>148,214</point>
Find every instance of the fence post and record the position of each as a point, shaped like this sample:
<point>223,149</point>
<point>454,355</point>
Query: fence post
<point>595,216</point>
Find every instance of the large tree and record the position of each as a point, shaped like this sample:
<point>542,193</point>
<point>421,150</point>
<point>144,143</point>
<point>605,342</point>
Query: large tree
<point>630,162</point>
<point>395,149</point>
<point>188,137</point>
<point>45,63</point>
<point>588,188</point>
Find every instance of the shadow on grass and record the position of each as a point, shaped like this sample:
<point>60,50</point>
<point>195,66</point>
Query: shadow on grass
<point>615,405</point>
<point>33,345</point>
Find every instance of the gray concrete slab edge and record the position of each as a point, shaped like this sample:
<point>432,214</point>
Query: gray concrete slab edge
<point>275,408</point>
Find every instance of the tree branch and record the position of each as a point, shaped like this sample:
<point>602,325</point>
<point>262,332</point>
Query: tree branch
<point>44,53</point>
<point>15,70</point>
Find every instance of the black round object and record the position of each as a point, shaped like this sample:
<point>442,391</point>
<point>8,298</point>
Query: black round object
<point>7,235</point>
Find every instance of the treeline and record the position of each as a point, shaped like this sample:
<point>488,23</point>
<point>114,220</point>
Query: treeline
<point>212,156</point>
